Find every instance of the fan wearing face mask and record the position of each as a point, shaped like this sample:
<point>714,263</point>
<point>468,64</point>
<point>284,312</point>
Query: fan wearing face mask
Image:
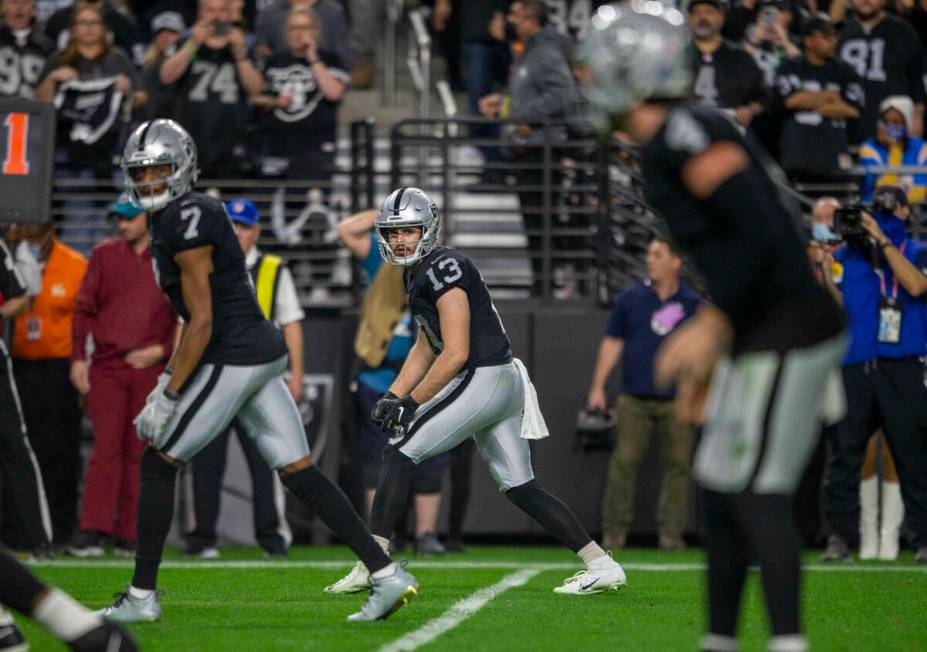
<point>892,146</point>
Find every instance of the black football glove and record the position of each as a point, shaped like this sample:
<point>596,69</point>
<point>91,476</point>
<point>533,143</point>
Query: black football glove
<point>382,408</point>
<point>399,418</point>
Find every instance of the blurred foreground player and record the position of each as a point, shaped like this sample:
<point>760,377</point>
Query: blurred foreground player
<point>229,364</point>
<point>73,624</point>
<point>461,381</point>
<point>772,342</point>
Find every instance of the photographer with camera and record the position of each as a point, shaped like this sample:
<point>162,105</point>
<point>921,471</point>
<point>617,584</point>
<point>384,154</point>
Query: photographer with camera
<point>643,316</point>
<point>882,286</point>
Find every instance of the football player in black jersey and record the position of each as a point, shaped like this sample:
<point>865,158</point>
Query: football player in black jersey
<point>460,381</point>
<point>229,363</point>
<point>772,342</point>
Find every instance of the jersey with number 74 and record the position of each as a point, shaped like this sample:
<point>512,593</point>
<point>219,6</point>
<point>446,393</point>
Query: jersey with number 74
<point>441,271</point>
<point>240,333</point>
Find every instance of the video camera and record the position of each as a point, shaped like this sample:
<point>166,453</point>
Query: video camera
<point>848,221</point>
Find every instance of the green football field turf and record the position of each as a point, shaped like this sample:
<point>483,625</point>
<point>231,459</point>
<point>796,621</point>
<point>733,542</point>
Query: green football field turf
<point>242,602</point>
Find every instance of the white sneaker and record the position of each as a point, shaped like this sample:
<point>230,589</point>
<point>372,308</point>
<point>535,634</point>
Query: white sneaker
<point>602,575</point>
<point>355,581</point>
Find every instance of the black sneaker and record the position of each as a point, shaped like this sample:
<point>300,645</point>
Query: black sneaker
<point>921,555</point>
<point>87,544</point>
<point>428,544</point>
<point>12,640</point>
<point>837,549</point>
<point>108,637</point>
<point>454,544</point>
<point>124,548</point>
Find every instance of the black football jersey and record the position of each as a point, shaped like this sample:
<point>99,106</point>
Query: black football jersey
<point>240,333</point>
<point>753,259</point>
<point>800,128</point>
<point>214,105</point>
<point>21,62</point>
<point>728,78</point>
<point>890,61</point>
<point>445,269</point>
<point>310,119</point>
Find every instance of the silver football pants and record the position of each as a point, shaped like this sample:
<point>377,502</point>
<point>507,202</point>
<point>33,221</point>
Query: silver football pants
<point>484,403</point>
<point>256,395</point>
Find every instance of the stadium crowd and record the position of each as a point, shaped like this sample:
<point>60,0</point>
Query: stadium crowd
<point>824,86</point>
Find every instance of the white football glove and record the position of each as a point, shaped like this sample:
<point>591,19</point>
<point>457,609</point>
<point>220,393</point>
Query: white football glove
<point>29,268</point>
<point>151,422</point>
<point>163,379</point>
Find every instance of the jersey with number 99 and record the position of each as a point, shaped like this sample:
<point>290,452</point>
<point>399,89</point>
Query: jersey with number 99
<point>240,333</point>
<point>441,271</point>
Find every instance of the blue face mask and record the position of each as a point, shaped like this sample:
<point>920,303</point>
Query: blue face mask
<point>822,233</point>
<point>35,250</point>
<point>894,132</point>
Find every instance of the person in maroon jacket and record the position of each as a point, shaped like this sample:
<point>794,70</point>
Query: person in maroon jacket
<point>132,326</point>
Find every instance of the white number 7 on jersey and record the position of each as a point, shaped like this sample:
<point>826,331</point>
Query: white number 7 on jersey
<point>193,214</point>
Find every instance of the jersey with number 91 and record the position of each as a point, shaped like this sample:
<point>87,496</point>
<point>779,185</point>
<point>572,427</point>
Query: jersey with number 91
<point>240,333</point>
<point>441,271</point>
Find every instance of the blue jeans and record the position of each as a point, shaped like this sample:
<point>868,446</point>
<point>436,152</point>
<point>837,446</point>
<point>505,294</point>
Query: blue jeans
<point>486,67</point>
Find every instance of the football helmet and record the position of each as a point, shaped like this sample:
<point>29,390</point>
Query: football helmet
<point>634,52</point>
<point>159,142</point>
<point>407,207</point>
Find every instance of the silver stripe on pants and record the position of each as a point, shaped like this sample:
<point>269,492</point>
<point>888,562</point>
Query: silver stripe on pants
<point>257,395</point>
<point>489,410</point>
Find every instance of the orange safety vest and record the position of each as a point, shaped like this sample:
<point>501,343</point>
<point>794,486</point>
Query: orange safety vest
<point>44,331</point>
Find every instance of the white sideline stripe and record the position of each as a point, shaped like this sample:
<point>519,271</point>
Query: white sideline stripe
<point>458,612</point>
<point>455,565</point>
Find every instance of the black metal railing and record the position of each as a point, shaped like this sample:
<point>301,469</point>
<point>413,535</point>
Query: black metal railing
<point>547,213</point>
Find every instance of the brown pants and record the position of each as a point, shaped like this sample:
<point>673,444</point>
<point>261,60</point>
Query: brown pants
<point>638,418</point>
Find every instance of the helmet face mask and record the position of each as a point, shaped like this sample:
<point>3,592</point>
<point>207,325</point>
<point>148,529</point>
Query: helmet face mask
<point>407,208</point>
<point>159,144</point>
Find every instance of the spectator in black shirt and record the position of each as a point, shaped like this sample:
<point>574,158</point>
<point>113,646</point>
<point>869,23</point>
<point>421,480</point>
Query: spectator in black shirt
<point>725,76</point>
<point>819,94</point>
<point>302,89</point>
<point>213,79</point>
<point>887,54</point>
<point>23,50</point>
<point>167,28</point>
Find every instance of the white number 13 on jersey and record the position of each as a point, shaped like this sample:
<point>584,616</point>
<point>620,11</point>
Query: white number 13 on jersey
<point>193,214</point>
<point>451,272</point>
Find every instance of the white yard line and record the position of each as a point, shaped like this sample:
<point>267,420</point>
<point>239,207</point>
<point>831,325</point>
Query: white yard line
<point>458,565</point>
<point>458,612</point>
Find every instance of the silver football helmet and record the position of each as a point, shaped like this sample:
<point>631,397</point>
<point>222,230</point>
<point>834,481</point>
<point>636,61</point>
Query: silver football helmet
<point>159,142</point>
<point>634,52</point>
<point>407,207</point>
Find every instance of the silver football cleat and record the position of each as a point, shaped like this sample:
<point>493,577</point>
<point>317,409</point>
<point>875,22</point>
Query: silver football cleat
<point>387,595</point>
<point>129,609</point>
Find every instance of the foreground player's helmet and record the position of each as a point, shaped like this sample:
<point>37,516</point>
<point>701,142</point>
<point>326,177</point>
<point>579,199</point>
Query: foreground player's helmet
<point>159,142</point>
<point>634,52</point>
<point>408,207</point>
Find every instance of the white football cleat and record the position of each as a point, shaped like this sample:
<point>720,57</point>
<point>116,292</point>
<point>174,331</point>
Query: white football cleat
<point>354,582</point>
<point>604,574</point>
